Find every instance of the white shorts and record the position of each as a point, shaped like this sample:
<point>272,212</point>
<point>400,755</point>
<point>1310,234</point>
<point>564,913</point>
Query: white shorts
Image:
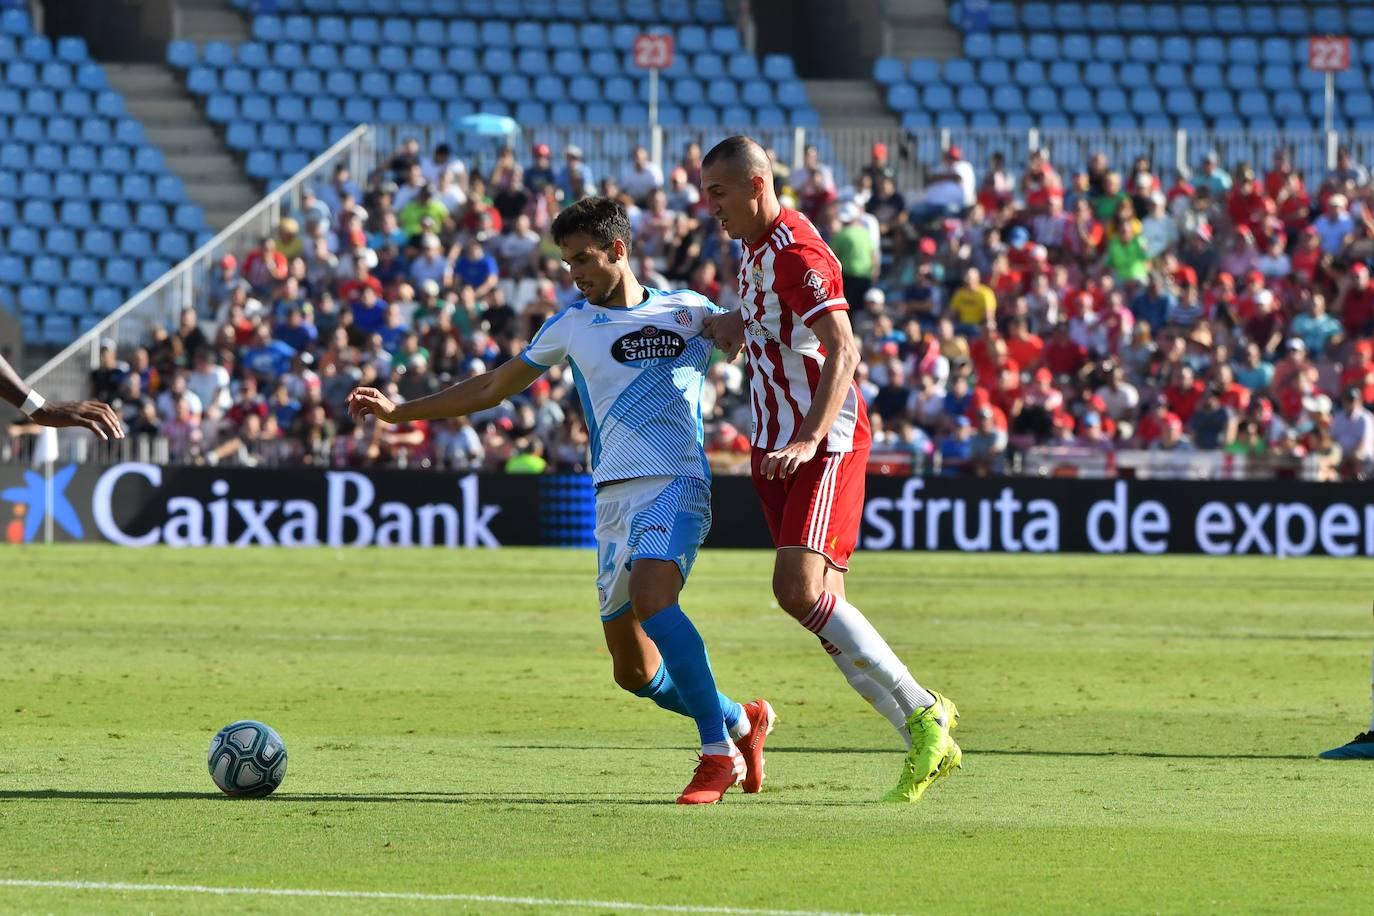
<point>649,518</point>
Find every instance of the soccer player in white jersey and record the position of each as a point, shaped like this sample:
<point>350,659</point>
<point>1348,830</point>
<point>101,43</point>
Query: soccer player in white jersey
<point>811,442</point>
<point>638,358</point>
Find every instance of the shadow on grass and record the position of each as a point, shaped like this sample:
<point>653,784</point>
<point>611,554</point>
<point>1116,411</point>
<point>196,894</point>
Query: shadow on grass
<point>423,798</point>
<point>893,752</point>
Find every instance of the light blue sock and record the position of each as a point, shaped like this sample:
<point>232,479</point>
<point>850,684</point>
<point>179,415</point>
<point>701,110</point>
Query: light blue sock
<point>684,657</point>
<point>664,692</point>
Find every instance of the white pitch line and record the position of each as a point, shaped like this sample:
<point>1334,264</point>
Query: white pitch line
<point>398,895</point>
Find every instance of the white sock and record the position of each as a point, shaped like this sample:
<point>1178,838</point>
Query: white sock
<point>863,685</point>
<point>724,748</point>
<point>740,728</point>
<point>842,624</point>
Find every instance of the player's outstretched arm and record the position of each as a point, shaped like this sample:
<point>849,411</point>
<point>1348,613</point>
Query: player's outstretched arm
<point>468,396</point>
<point>726,331</point>
<point>93,415</point>
<point>841,359</point>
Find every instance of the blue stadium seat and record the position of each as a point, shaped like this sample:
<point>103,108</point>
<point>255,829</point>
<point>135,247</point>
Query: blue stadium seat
<point>1098,74</point>
<point>36,185</point>
<point>1134,75</point>
<point>445,85</point>
<point>566,113</point>
<point>411,86</point>
<point>1176,49</point>
<point>1043,46</point>
<point>496,34</point>
<point>1064,74</point>
<point>600,113</point>
<point>358,58</point>
<point>288,55</point>
<point>1361,21</point>
<point>1143,48</point>
<point>172,246</point>
<point>725,39</point>
<point>153,269</point>
<point>84,271</point>
<point>1109,48</point>
<point>375,85</point>
<point>12,270</point>
<point>1289,104</point>
<point>1210,49</point>
<point>241,136</point>
<point>1145,102</point>
<point>993,73</point>
<point>463,33</point>
<point>104,301</point>
<point>253,54</point>
<point>322,57</point>
<point>1207,76</point>
<point>1009,46</point>
<point>1111,101</point>
<point>364,31</point>
<point>91,77</point>
<point>149,160</point>
<point>341,84</point>
<point>306,83</point>
<point>1328,20</point>
<point>20,74</point>
<point>56,75</point>
<point>923,71</point>
<point>423,111</point>
<point>959,71</point>
<point>1076,47</point>
<point>978,45</point>
<point>262,163</point>
<point>760,94</point>
<point>38,212</point>
<point>70,186</point>
<point>902,97</point>
<point>973,98</point>
<point>1276,77</point>
<point>23,240</point>
<point>428,59</point>
<point>708,66</point>
<point>1217,103</point>
<point>513,88</point>
<point>1008,99</point>
<point>778,67</point>
<point>393,58</point>
<point>390,111</point>
<point>70,301</point>
<point>792,94</point>
<point>1242,76</point>
<point>1078,100</point>
<point>1180,103</point>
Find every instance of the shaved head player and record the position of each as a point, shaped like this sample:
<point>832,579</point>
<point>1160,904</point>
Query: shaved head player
<point>811,442</point>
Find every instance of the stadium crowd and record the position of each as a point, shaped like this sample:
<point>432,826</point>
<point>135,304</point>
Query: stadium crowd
<point>1114,309</point>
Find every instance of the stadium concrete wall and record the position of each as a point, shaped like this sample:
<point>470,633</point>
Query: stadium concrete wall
<point>141,505</point>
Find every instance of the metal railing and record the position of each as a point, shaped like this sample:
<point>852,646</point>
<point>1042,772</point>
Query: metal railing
<point>66,375</point>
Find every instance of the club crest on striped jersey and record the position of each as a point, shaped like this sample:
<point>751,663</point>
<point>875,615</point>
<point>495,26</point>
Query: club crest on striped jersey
<point>648,346</point>
<point>683,317</point>
<point>816,283</point>
<point>756,275</point>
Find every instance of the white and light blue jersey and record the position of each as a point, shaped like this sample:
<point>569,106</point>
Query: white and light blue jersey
<point>639,372</point>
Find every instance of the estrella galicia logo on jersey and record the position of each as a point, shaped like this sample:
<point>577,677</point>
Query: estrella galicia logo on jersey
<point>648,346</point>
<point>816,283</point>
<point>31,503</point>
<point>683,317</point>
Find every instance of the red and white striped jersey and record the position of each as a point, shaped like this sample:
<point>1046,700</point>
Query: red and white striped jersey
<point>787,280</point>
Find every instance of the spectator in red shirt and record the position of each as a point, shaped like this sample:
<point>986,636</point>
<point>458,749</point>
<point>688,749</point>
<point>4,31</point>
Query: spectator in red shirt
<point>1360,372</point>
<point>1355,304</point>
<point>1023,346</point>
<point>1266,326</point>
<point>1154,421</point>
<point>351,290</point>
<point>1062,355</point>
<point>1233,394</point>
<point>265,266</point>
<point>1184,393</point>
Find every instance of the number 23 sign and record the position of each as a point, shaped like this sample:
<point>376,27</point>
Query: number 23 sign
<point>653,52</point>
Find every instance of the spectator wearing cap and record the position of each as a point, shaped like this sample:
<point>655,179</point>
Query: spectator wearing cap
<point>1212,176</point>
<point>575,180</point>
<point>878,166</point>
<point>853,246</point>
<point>641,177</point>
<point>432,264</point>
<point>224,281</point>
<point>1335,224</point>
<point>1171,438</point>
<point>1266,326</point>
<point>987,445</point>
<point>540,174</point>
<point>1355,302</point>
<point>1359,370</point>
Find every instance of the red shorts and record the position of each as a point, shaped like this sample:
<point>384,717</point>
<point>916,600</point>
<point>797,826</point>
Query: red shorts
<point>819,507</point>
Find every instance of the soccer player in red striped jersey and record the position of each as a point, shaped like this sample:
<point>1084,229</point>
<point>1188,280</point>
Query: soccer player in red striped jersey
<point>811,442</point>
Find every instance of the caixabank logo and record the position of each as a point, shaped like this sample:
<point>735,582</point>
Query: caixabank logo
<point>30,506</point>
<point>649,346</point>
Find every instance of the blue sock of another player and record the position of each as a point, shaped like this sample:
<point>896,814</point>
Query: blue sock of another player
<point>664,692</point>
<point>684,655</point>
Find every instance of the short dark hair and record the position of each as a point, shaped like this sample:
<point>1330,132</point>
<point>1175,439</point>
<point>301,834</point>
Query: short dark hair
<point>601,218</point>
<point>741,152</point>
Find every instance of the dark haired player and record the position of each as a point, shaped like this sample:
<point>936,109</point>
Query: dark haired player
<point>638,358</point>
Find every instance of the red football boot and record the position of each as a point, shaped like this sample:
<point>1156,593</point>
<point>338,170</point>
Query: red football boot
<point>761,721</point>
<point>715,773</point>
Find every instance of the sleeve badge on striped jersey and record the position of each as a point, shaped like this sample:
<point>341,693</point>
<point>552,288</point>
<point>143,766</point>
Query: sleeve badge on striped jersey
<point>816,283</point>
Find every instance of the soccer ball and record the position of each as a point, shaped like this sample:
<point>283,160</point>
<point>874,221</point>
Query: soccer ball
<point>247,759</point>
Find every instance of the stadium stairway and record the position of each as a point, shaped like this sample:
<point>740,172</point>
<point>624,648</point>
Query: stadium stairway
<point>175,124</point>
<point>849,103</point>
<point>210,20</point>
<point>921,28</point>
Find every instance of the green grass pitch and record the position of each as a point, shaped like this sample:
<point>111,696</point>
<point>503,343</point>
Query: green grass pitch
<point>1139,736</point>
